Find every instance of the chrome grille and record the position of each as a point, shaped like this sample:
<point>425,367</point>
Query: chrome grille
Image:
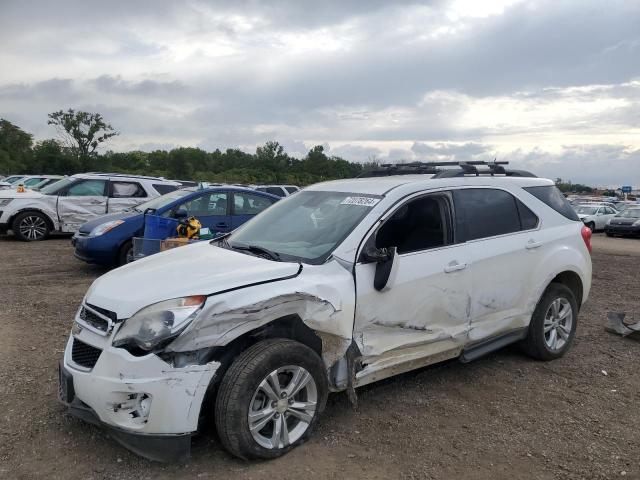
<point>93,319</point>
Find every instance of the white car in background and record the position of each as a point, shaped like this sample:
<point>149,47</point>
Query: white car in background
<point>279,190</point>
<point>595,216</point>
<point>29,181</point>
<point>70,202</point>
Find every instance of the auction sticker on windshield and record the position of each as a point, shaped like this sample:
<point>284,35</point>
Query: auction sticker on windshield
<point>363,201</point>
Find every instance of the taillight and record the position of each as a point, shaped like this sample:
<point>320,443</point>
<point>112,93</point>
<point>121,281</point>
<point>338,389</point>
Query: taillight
<point>586,236</point>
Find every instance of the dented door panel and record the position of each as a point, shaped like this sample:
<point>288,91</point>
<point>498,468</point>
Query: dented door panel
<point>74,211</point>
<point>423,310</point>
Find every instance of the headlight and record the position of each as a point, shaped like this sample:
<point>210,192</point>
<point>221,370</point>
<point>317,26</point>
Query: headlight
<point>5,201</point>
<point>158,322</point>
<point>105,227</point>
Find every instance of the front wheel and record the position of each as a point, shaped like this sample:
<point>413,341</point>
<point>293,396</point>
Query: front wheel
<point>553,324</point>
<point>125,255</point>
<point>592,226</point>
<point>270,399</point>
<point>31,227</point>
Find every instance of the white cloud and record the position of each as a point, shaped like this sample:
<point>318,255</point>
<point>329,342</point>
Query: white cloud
<point>554,81</point>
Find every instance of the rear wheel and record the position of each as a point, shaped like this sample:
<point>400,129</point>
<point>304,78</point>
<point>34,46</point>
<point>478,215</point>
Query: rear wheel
<point>126,253</point>
<point>553,324</point>
<point>31,226</point>
<point>270,399</point>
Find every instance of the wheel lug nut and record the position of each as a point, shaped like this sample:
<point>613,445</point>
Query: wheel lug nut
<point>277,415</point>
<point>274,404</point>
<point>283,394</point>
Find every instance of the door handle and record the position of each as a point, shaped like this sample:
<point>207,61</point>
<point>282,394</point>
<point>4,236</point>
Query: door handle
<point>454,266</point>
<point>533,244</point>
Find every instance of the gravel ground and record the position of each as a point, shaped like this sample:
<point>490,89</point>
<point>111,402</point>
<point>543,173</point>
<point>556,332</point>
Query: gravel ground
<point>504,416</point>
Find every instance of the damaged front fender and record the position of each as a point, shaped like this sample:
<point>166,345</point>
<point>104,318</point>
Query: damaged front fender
<point>322,297</point>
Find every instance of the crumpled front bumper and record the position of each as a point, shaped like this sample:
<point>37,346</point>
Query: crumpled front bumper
<point>110,394</point>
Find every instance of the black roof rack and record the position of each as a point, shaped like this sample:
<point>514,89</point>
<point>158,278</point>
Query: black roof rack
<point>436,169</point>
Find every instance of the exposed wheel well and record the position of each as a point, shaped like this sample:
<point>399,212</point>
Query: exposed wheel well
<point>571,280</point>
<point>290,326</point>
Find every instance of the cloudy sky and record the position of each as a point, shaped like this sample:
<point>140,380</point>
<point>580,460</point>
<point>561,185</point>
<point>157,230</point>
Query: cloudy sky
<point>553,86</point>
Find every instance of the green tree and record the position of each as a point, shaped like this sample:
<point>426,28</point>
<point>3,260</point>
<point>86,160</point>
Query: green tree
<point>81,131</point>
<point>50,157</point>
<point>15,148</point>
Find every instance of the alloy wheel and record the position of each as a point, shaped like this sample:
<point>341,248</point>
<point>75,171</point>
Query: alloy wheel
<point>558,322</point>
<point>282,407</point>
<point>33,227</point>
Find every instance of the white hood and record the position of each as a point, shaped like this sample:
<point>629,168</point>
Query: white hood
<point>13,193</point>
<point>199,269</point>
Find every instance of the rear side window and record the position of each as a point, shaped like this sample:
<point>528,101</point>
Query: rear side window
<point>291,189</point>
<point>487,212</point>
<point>162,189</point>
<point>275,191</point>
<point>248,204</point>
<point>550,195</point>
<point>127,190</point>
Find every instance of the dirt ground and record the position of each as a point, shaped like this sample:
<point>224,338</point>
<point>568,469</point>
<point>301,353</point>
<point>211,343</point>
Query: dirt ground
<point>504,416</point>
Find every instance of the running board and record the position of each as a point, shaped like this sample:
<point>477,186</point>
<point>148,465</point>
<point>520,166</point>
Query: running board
<point>484,347</point>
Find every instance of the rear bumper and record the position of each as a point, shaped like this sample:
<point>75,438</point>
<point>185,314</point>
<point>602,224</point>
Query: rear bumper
<point>161,448</point>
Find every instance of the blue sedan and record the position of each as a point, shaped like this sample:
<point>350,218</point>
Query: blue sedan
<point>108,240</point>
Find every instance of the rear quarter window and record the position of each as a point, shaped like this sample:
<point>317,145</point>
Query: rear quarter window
<point>485,212</point>
<point>550,195</point>
<point>162,189</point>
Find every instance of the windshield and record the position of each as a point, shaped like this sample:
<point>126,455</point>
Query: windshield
<point>630,213</point>
<point>55,187</point>
<point>582,210</point>
<point>305,227</point>
<point>13,179</point>
<point>163,200</point>
<point>30,182</point>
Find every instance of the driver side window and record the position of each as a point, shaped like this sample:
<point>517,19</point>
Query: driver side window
<point>420,224</point>
<point>87,188</point>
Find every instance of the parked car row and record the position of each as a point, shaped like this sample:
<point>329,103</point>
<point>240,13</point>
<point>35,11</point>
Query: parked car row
<point>33,182</point>
<point>604,216</point>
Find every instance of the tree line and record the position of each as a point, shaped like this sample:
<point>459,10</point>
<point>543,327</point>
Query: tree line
<point>81,133</point>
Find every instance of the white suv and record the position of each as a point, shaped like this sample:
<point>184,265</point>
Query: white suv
<point>68,203</point>
<point>343,284</point>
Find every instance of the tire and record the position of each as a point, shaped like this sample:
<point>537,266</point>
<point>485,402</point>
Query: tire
<point>537,344</point>
<point>243,390</point>
<point>31,226</point>
<point>609,234</point>
<point>125,255</point>
<point>592,227</point>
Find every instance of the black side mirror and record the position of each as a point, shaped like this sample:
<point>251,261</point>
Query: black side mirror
<point>181,214</point>
<point>384,258</point>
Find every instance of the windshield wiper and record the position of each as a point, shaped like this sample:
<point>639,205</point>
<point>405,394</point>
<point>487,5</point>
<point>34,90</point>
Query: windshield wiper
<point>257,249</point>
